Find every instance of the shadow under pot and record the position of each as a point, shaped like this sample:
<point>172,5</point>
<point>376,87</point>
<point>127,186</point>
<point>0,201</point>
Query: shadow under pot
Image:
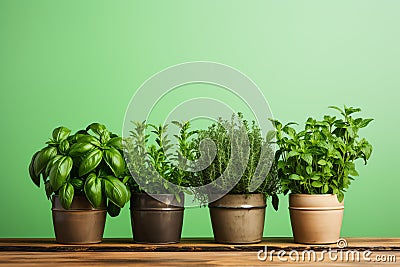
<point>157,220</point>
<point>238,218</point>
<point>316,219</point>
<point>81,224</point>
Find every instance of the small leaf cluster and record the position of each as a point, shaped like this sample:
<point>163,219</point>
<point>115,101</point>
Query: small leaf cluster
<point>150,161</point>
<point>87,163</point>
<point>320,158</point>
<point>240,150</point>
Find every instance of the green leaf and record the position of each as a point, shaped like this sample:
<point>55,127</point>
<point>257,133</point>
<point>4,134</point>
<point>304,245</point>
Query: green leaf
<point>59,172</point>
<point>315,177</point>
<point>88,139</point>
<point>90,161</point>
<point>338,109</point>
<point>115,142</point>
<point>292,154</point>
<point>115,191</point>
<point>340,196</point>
<point>115,161</point>
<point>77,183</point>
<point>294,177</point>
<point>66,194</point>
<point>112,209</point>
<point>321,162</point>
<point>35,178</point>
<point>48,189</point>
<point>64,147</point>
<point>97,128</point>
<point>325,189</point>
<point>80,148</point>
<point>364,123</point>
<point>275,202</point>
<point>307,158</point>
<point>309,169</point>
<point>41,159</point>
<point>316,184</point>
<point>270,136</point>
<point>50,164</point>
<point>60,133</point>
<point>93,190</point>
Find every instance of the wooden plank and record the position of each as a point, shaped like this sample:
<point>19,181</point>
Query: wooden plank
<point>158,259</point>
<point>187,245</point>
<point>190,252</point>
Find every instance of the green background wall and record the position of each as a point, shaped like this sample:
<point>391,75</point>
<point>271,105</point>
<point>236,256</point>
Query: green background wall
<point>74,62</point>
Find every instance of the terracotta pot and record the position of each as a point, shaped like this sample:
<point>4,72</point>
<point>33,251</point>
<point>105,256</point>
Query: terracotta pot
<point>238,218</point>
<point>81,224</point>
<point>316,219</point>
<point>156,222</point>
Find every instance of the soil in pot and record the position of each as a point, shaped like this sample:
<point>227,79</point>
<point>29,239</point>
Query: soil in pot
<point>81,224</point>
<point>316,219</point>
<point>154,221</point>
<point>238,218</point>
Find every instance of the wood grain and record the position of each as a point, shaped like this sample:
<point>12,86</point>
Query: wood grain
<point>190,252</point>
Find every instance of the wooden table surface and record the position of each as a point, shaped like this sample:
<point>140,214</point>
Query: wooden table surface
<point>203,252</point>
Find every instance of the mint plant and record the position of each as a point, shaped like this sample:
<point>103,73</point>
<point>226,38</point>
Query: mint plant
<point>320,159</point>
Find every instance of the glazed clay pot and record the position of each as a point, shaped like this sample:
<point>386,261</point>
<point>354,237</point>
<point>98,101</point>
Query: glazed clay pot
<point>316,219</point>
<point>81,224</point>
<point>238,218</point>
<point>154,221</point>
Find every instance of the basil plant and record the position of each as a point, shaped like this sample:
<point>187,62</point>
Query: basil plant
<point>88,163</point>
<point>321,158</point>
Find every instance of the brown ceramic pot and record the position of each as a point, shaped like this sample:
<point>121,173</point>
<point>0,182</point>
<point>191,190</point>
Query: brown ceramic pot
<point>238,218</point>
<point>316,219</point>
<point>154,221</point>
<point>81,224</point>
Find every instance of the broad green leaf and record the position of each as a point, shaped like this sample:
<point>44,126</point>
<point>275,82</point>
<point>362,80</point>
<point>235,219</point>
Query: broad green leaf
<point>41,159</point>
<point>97,128</point>
<point>275,202</point>
<point>115,191</point>
<point>66,194</point>
<point>50,165</point>
<point>35,178</point>
<point>64,147</point>
<point>115,161</point>
<point>88,139</point>
<point>270,136</point>
<point>292,154</point>
<point>294,177</point>
<point>364,123</point>
<point>60,133</point>
<point>307,158</point>
<point>115,142</point>
<point>316,184</point>
<point>367,150</point>
<point>80,148</point>
<point>59,172</point>
<point>315,177</point>
<point>321,162</point>
<point>325,189</point>
<point>309,169</point>
<point>48,189</point>
<point>77,183</point>
<point>112,209</point>
<point>338,109</point>
<point>93,190</point>
<point>90,161</point>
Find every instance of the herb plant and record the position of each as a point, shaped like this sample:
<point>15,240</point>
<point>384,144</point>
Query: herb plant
<point>320,158</point>
<point>150,161</point>
<point>253,159</point>
<point>87,163</point>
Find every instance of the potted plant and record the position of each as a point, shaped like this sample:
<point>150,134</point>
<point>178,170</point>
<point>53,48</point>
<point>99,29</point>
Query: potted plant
<point>80,172</point>
<point>157,206</point>
<point>242,166</point>
<point>316,165</point>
